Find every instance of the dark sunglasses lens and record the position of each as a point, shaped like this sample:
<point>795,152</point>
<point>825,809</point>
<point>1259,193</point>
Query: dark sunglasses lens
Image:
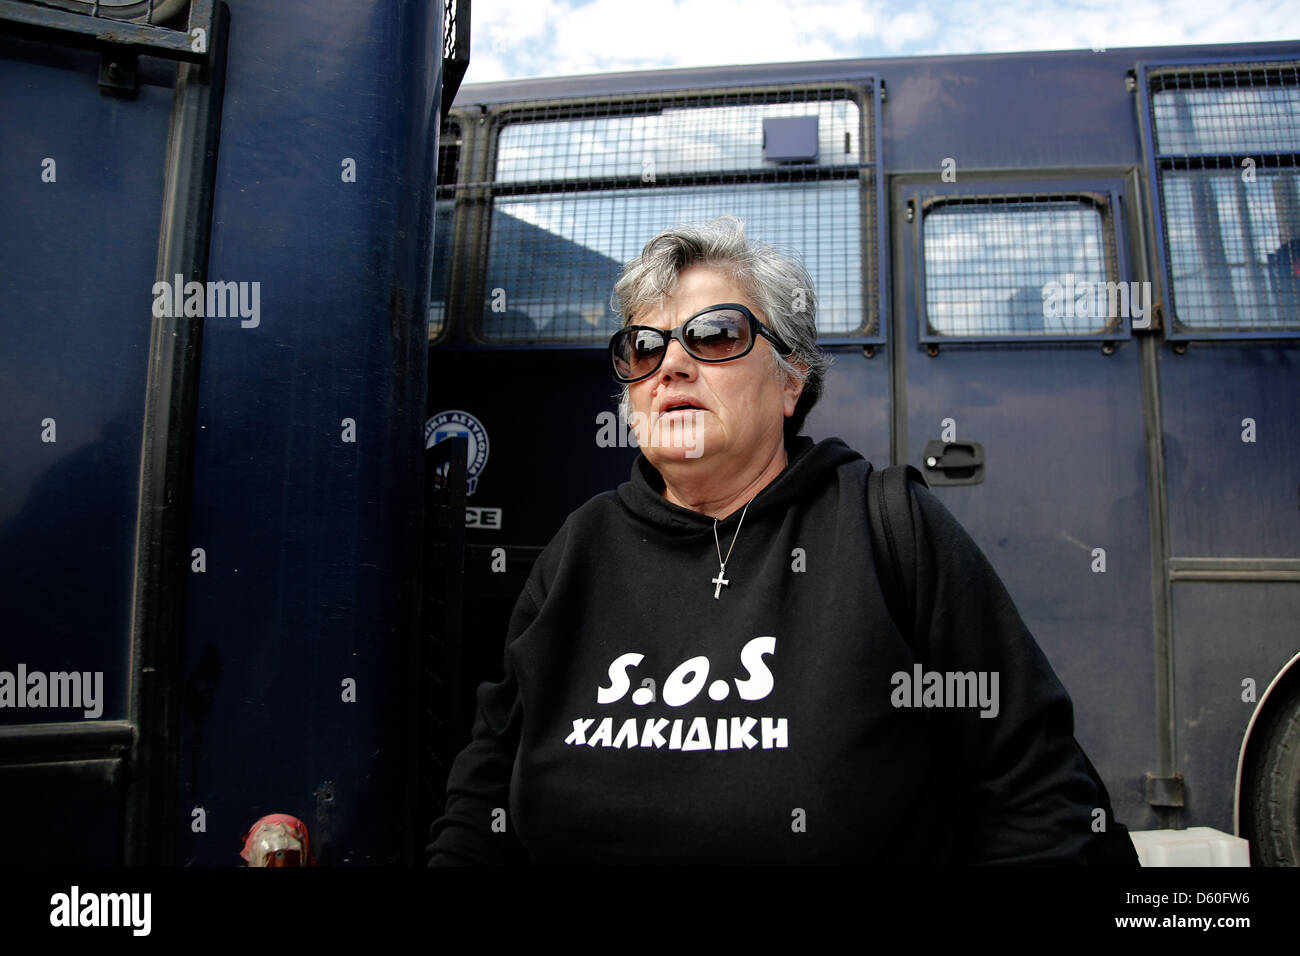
<point>717,335</point>
<point>637,352</point>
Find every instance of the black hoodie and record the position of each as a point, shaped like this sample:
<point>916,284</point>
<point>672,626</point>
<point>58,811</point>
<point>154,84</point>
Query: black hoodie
<point>642,720</point>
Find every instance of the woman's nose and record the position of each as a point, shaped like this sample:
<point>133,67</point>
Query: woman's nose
<point>677,360</point>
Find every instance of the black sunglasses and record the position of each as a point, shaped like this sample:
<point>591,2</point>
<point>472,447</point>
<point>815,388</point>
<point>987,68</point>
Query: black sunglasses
<point>720,333</point>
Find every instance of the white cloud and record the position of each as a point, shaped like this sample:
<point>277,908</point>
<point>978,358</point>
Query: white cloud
<point>911,26</point>
<point>526,38</point>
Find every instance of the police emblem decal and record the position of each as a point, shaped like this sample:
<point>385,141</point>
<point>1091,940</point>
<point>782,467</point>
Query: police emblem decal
<point>455,422</point>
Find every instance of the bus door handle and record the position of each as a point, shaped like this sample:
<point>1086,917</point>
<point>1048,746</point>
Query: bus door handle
<point>954,463</point>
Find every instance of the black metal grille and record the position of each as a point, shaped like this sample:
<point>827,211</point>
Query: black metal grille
<point>449,153</point>
<point>1227,145</point>
<point>439,284</point>
<point>441,730</point>
<point>184,30</point>
<point>1021,266</point>
<point>137,11</point>
<point>455,49</point>
<point>449,146</point>
<point>579,188</point>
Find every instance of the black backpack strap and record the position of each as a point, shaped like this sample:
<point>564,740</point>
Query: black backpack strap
<point>893,543</point>
<point>893,540</point>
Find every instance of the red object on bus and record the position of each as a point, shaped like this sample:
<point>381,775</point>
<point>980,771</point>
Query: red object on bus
<point>278,839</point>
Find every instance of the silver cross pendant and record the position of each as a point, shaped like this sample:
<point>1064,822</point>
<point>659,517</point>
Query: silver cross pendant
<point>719,581</point>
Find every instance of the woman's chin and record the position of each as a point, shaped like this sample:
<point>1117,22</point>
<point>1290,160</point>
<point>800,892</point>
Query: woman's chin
<point>690,448</point>
<point>670,457</point>
<point>676,438</point>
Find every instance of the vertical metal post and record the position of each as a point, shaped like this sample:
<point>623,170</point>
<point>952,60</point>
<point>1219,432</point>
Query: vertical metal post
<point>167,461</point>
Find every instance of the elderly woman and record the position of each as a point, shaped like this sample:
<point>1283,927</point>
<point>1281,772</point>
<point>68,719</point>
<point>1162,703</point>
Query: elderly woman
<point>702,667</point>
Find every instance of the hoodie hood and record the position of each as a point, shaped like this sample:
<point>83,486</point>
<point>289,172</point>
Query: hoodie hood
<point>810,464</point>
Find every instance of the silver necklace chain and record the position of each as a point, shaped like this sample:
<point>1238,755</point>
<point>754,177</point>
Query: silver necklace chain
<point>721,580</point>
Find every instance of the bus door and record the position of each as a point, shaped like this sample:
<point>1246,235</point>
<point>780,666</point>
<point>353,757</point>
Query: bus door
<point>1023,408</point>
<point>102,133</point>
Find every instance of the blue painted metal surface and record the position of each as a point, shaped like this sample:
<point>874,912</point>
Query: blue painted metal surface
<point>74,318</point>
<point>78,262</point>
<point>311,533</point>
<point>308,480</point>
<point>1216,479</point>
<point>1228,633</point>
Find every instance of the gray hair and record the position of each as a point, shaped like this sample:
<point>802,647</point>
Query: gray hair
<point>773,278</point>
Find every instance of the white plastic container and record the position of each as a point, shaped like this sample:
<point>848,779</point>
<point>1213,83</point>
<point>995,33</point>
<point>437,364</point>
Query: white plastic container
<point>1195,846</point>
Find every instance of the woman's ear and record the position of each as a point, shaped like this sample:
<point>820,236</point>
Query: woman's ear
<point>794,388</point>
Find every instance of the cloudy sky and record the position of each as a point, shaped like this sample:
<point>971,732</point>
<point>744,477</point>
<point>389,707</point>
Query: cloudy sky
<point>529,38</point>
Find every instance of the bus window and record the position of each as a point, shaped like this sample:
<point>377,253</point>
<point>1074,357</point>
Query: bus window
<point>577,196</point>
<point>1226,142</point>
<point>1018,266</point>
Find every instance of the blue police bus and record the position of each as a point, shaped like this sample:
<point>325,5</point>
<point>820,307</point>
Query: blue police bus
<point>1064,285</point>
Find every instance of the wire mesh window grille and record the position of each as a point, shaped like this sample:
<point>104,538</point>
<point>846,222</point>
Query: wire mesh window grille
<point>678,139</point>
<point>1021,266</point>
<point>439,286</point>
<point>156,12</point>
<point>455,49</point>
<point>181,30</point>
<point>450,32</point>
<point>449,147</point>
<point>1227,145</point>
<point>579,189</point>
<point>449,151</point>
